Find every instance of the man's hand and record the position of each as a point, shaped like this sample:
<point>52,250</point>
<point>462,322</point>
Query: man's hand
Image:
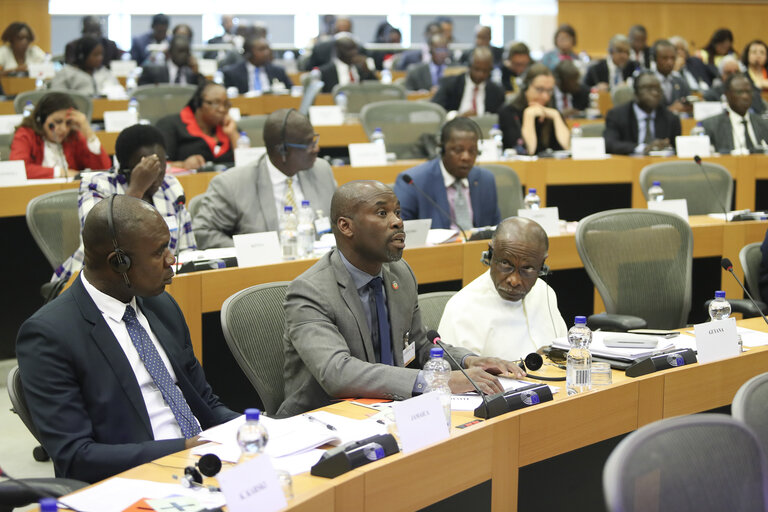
<point>495,366</point>
<point>146,172</point>
<point>192,442</point>
<point>485,381</point>
<point>658,145</point>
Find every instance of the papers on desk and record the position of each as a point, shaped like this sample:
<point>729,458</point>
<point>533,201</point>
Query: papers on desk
<point>208,254</point>
<point>441,236</point>
<point>731,215</point>
<point>751,338</point>
<point>598,348</point>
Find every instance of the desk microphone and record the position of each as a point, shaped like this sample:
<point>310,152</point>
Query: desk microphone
<point>712,190</point>
<point>727,265</point>
<point>407,178</point>
<point>37,492</point>
<point>177,206</point>
<point>434,337</point>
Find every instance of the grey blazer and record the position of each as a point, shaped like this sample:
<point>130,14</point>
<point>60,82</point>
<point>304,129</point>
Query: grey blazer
<point>328,347</point>
<point>721,135</point>
<point>419,78</point>
<point>241,200</point>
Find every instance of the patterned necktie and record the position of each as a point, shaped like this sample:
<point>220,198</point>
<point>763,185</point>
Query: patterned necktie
<point>747,138</point>
<point>385,339</point>
<point>461,207</point>
<point>257,80</point>
<point>159,373</point>
<point>289,199</point>
<point>648,134</point>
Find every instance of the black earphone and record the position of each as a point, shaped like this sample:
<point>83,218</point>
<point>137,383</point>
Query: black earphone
<point>208,465</point>
<point>533,362</point>
<point>119,261</point>
<point>282,148</point>
<point>487,256</point>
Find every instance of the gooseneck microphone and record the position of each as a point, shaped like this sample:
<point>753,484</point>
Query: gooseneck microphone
<point>407,178</point>
<point>37,492</point>
<point>434,338</point>
<point>727,265</point>
<point>712,190</point>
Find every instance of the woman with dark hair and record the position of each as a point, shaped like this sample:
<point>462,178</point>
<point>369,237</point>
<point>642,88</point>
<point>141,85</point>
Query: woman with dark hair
<point>565,41</point>
<point>57,140</point>
<point>719,45</point>
<point>755,60</point>
<point>203,131</point>
<point>86,75</point>
<point>531,121</point>
<point>18,51</point>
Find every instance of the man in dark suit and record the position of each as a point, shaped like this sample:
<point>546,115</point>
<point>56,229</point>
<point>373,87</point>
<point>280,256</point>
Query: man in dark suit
<point>324,51</point>
<point>737,127</point>
<point>472,93</point>
<point>180,66</point>
<point>348,66</point>
<point>427,76</point>
<point>673,85</point>
<point>483,39</point>
<point>571,96</point>
<point>412,57</point>
<point>728,66</point>
<point>642,125</point>
<point>638,46</point>
<point>352,321</point>
<point>107,367</point>
<point>158,35</point>
<point>453,182</point>
<point>92,28</point>
<point>605,74</point>
<point>256,73</point>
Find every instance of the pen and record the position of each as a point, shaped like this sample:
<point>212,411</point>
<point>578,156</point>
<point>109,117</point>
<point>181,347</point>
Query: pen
<point>327,425</point>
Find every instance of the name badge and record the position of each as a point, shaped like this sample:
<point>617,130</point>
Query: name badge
<point>409,350</point>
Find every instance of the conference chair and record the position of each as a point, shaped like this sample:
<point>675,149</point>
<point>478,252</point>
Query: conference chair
<point>84,103</point>
<point>592,129</point>
<point>402,123</point>
<point>5,145</point>
<point>701,462</point>
<point>369,91</point>
<point>622,94</point>
<point>750,256</point>
<point>749,407</point>
<point>311,90</point>
<point>640,262</point>
<point>509,191</point>
<point>157,101</point>
<point>18,494</point>
<point>193,206</point>
<point>254,127</point>
<point>431,306</point>
<point>19,406</point>
<point>253,323</point>
<point>706,189</point>
<point>486,122</point>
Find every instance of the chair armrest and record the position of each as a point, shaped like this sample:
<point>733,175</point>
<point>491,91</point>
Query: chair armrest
<point>615,322</point>
<point>16,495</point>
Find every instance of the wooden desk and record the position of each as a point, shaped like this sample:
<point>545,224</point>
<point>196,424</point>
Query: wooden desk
<point>13,85</point>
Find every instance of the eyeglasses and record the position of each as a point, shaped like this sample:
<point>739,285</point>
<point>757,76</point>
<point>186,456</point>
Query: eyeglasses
<point>543,90</point>
<point>218,104</point>
<point>525,273</point>
<point>311,145</point>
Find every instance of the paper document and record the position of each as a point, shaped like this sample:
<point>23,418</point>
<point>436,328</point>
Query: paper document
<point>441,236</point>
<point>208,254</point>
<point>598,348</point>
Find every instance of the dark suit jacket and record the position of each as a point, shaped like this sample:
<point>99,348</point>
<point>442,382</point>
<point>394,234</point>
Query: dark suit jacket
<point>236,75</point>
<point>721,133</point>
<point>330,77</point>
<point>419,77</point>
<point>700,70</point>
<point>717,92</point>
<point>621,128</point>
<point>82,392</point>
<point>139,44</point>
<point>498,55</point>
<point>598,72</point>
<point>452,89</point>
<point>409,58</point>
<point>427,176</point>
<point>324,51</point>
<point>158,74</point>
<point>680,88</point>
<point>111,51</point>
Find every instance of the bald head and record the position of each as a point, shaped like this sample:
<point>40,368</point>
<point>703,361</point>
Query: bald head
<point>521,230</point>
<point>349,197</point>
<point>519,248</point>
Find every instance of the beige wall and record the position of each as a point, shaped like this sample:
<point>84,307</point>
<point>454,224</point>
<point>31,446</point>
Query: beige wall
<point>34,13</point>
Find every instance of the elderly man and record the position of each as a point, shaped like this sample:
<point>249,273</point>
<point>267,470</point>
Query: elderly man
<point>508,311</point>
<point>673,85</point>
<point>605,74</point>
<point>467,192</point>
<point>107,367</point>
<point>352,321</point>
<point>412,57</point>
<point>642,125</point>
<point>256,72</point>
<point>248,199</point>
<point>737,128</point>
<point>427,76</point>
<point>727,67</point>
<point>347,67</point>
<point>471,93</point>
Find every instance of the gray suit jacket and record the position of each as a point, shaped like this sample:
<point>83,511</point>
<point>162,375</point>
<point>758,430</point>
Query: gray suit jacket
<point>241,200</point>
<point>721,135</point>
<point>328,346</point>
<point>419,78</point>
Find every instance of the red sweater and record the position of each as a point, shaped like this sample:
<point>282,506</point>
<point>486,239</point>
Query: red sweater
<point>30,147</point>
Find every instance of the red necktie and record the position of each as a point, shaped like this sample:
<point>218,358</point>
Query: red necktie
<point>351,76</point>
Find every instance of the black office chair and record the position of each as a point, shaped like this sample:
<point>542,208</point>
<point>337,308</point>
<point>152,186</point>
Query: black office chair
<point>19,406</point>
<point>27,491</point>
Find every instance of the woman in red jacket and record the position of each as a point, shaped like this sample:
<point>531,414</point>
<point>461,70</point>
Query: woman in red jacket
<point>57,140</point>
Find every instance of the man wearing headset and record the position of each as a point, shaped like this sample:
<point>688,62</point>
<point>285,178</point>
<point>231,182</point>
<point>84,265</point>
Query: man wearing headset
<point>250,198</point>
<point>508,311</point>
<point>107,367</point>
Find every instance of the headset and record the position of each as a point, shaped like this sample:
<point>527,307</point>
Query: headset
<point>283,148</point>
<point>487,256</point>
<point>464,124</point>
<point>208,465</point>
<point>119,261</point>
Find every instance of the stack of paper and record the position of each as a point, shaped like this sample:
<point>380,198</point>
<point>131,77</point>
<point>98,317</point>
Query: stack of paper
<point>598,347</point>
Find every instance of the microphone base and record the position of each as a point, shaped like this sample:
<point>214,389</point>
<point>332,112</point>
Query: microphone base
<point>347,457</point>
<point>660,362</point>
<point>513,400</point>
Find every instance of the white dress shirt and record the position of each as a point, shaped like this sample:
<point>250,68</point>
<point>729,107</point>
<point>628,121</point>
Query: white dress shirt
<point>615,76</point>
<point>466,99</point>
<point>173,71</point>
<point>343,70</point>
<point>279,184</point>
<point>737,128</point>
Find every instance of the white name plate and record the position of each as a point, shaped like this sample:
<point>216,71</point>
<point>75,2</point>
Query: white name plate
<point>42,70</point>
<point>547,218</point>
<point>705,109</point>
<point>248,156</point>
<point>420,421</point>
<point>416,232</point>
<point>255,249</point>
<point>488,151</point>
<point>326,115</point>
<point>588,148</point>
<point>367,154</point>
<point>252,485</point>
<point>13,173</point>
<point>689,146</point>
<point>207,67</point>
<point>716,340</point>
<point>122,67</point>
<point>119,120</point>
<point>676,206</point>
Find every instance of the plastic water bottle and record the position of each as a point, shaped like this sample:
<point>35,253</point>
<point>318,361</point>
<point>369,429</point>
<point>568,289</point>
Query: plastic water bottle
<point>377,137</point>
<point>28,109</point>
<point>322,223</point>
<point>341,101</point>
<point>578,368</point>
<point>386,76</point>
<point>306,231</point>
<point>218,77</point>
<point>577,131</point>
<point>437,373</point>
<point>288,235</point>
<point>719,309</point>
<point>252,437</point>
<point>315,75</point>
<point>133,106</point>
<point>698,130</point>
<point>243,141</point>
<point>532,200</point>
<point>655,192</point>
<point>498,138</point>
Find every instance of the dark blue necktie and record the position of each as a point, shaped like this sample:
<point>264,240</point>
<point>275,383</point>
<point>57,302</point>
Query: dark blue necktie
<point>385,339</point>
<point>257,80</point>
<point>159,373</point>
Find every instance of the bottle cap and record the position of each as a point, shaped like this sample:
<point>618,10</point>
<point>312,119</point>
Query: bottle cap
<point>436,352</point>
<point>377,129</point>
<point>495,126</point>
<point>531,190</point>
<point>580,320</point>
<point>243,134</point>
<point>656,183</point>
<point>288,209</point>
<point>252,414</point>
<point>48,505</point>
<point>305,202</point>
<point>720,294</point>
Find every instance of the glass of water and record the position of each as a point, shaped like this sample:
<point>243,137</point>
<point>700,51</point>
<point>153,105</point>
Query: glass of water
<point>601,374</point>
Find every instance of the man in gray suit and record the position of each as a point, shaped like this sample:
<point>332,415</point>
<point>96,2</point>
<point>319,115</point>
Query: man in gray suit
<point>737,127</point>
<point>247,199</point>
<point>426,76</point>
<point>352,321</point>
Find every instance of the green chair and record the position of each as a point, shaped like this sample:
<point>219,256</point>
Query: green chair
<point>361,94</point>
<point>509,191</point>
<point>254,127</point>
<point>486,122</point>
<point>431,306</point>
<point>592,129</point>
<point>750,256</point>
<point>402,123</point>
<point>707,189</point>
<point>158,101</point>
<point>5,145</point>
<point>84,103</point>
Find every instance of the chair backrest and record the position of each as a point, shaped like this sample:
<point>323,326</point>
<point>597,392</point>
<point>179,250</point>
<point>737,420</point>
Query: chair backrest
<point>83,102</point>
<point>685,180</point>
<point>402,123</point>
<point>54,223</point>
<point>702,462</point>
<point>622,94</point>
<point>311,90</point>
<point>509,191</point>
<point>431,306</point>
<point>193,206</point>
<point>486,122</point>
<point>5,145</point>
<point>253,323</point>
<point>640,261</point>
<point>750,256</point>
<point>158,101</point>
<point>592,129</point>
<point>749,407</point>
<point>254,127</point>
<point>18,402</point>
<point>361,94</point>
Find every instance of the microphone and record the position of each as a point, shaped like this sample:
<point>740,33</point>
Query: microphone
<point>697,159</point>
<point>177,205</point>
<point>407,178</point>
<point>434,338</point>
<point>33,490</point>
<point>727,265</point>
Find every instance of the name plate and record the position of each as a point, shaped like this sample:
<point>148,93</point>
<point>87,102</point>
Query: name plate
<point>705,109</point>
<point>326,115</point>
<point>367,154</point>
<point>252,485</point>
<point>122,67</point>
<point>488,151</point>
<point>13,173</point>
<point>207,67</point>
<point>248,156</point>
<point>420,421</point>
<point>689,146</point>
<point>676,206</point>
<point>416,232</point>
<point>9,123</point>
<point>588,148</point>
<point>716,340</point>
<point>547,218</point>
<point>43,70</point>
<point>119,120</point>
<point>255,249</point>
